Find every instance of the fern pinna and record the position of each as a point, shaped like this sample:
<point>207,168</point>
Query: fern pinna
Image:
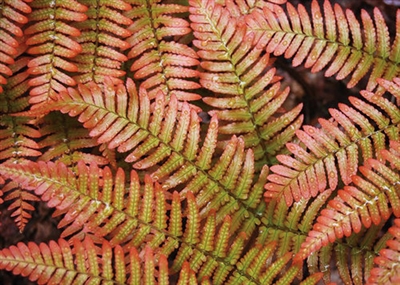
<point>161,135</point>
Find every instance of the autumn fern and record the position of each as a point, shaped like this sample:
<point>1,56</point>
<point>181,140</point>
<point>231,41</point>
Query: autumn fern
<point>331,154</point>
<point>246,94</point>
<point>162,64</point>
<point>163,137</point>
<point>12,16</point>
<point>52,42</point>
<point>102,38</point>
<point>331,37</point>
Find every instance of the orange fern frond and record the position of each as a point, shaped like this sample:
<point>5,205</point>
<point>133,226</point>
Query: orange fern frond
<point>54,263</point>
<point>372,199</point>
<point>102,39</point>
<point>246,95</point>
<point>334,37</point>
<point>51,40</point>
<point>331,154</point>
<point>163,64</point>
<point>123,121</point>
<point>12,16</point>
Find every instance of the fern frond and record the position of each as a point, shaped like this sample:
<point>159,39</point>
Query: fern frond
<point>333,37</point>
<point>63,263</point>
<point>331,154</point>
<point>102,39</point>
<point>163,64</point>
<point>14,97</point>
<point>12,17</point>
<point>288,226</point>
<point>372,200</point>
<point>126,123</point>
<point>246,96</point>
<point>386,270</point>
<point>51,38</point>
<point>355,255</point>
<point>96,204</point>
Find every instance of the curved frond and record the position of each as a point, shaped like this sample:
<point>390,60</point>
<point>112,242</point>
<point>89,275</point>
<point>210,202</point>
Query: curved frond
<point>12,17</point>
<point>52,41</point>
<point>161,63</point>
<point>372,200</point>
<point>331,38</point>
<point>246,94</point>
<point>102,37</point>
<point>331,154</point>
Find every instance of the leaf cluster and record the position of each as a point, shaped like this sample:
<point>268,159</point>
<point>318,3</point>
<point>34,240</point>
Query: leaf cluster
<point>160,134</point>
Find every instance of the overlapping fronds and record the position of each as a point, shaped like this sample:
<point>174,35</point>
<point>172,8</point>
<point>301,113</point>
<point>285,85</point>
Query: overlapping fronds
<point>163,64</point>
<point>12,16</point>
<point>102,39</point>
<point>333,37</point>
<point>96,203</point>
<point>288,226</point>
<point>246,94</point>
<point>121,118</point>
<point>386,270</point>
<point>354,255</point>
<point>52,40</point>
<point>372,198</point>
<point>65,140</point>
<point>331,154</point>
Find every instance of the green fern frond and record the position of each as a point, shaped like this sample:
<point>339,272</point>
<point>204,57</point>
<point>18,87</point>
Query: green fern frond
<point>12,18</point>
<point>333,37</point>
<point>14,97</point>
<point>246,95</point>
<point>102,39</point>
<point>288,226</point>
<point>51,41</point>
<point>163,64</point>
<point>20,203</point>
<point>372,199</point>
<point>331,154</point>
